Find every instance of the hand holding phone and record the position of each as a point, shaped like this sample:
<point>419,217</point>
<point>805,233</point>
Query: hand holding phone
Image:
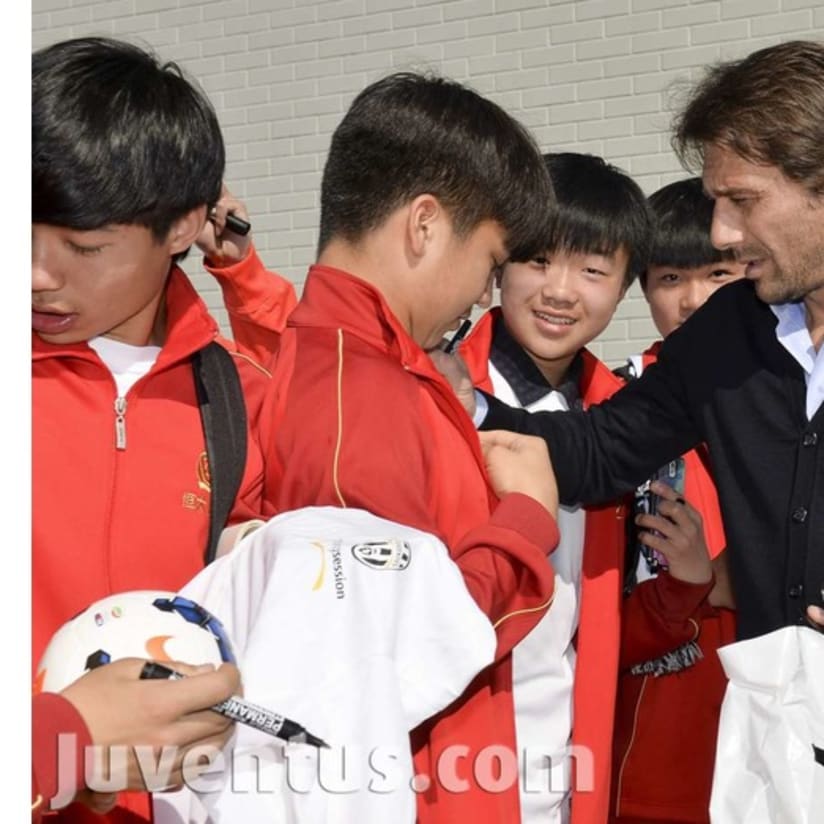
<point>673,531</point>
<point>647,503</point>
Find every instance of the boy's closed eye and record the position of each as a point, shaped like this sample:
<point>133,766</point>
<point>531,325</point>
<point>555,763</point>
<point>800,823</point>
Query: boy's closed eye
<point>83,250</point>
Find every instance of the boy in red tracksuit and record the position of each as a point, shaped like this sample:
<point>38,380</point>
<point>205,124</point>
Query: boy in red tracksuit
<point>428,188</point>
<point>531,353</point>
<point>668,708</point>
<point>127,160</point>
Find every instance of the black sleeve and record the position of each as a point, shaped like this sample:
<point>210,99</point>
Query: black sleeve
<point>614,446</point>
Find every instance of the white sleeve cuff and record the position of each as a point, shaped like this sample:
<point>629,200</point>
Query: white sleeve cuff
<point>233,535</point>
<point>481,408</point>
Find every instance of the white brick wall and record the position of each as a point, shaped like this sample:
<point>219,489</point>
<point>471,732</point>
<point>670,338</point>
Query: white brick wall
<point>592,75</point>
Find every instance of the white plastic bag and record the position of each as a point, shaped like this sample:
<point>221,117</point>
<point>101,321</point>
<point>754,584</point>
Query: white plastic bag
<point>772,718</point>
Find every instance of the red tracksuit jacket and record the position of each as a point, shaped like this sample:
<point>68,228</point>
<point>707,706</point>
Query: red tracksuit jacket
<point>107,520</point>
<point>358,416</point>
<point>666,727</point>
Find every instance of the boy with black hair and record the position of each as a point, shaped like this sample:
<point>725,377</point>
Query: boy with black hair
<point>127,162</point>
<point>667,711</point>
<point>531,353</point>
<point>427,190</point>
<point>684,267</point>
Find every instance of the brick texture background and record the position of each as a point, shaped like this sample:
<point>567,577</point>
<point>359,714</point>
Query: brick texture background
<point>598,76</point>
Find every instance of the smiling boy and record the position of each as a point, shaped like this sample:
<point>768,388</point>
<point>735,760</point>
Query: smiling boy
<point>531,352</point>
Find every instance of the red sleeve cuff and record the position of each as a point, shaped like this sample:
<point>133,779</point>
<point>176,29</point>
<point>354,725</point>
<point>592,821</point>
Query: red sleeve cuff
<point>59,741</point>
<point>530,519</point>
<point>679,600</point>
<point>674,600</point>
<point>220,268</point>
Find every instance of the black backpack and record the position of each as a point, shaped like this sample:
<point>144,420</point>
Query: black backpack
<point>223,415</point>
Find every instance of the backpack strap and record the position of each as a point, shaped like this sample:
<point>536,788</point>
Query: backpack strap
<point>223,415</point>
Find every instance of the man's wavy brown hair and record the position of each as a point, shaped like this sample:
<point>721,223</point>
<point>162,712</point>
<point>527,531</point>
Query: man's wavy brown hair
<point>767,107</point>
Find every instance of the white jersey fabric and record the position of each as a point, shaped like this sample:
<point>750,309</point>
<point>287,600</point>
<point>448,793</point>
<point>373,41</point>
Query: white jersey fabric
<point>127,363</point>
<point>543,664</point>
<point>357,628</point>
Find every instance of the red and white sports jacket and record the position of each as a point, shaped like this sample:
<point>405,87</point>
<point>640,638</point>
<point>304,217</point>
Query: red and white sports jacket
<point>599,643</point>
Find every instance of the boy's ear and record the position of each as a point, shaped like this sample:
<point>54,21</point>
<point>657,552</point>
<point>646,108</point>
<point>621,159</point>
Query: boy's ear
<point>423,218</point>
<point>185,230</point>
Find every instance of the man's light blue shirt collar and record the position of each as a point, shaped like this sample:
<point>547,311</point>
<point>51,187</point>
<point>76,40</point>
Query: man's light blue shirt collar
<point>793,335</point>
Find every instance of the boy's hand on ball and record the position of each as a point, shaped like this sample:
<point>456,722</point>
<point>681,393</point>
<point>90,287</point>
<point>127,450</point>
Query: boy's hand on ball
<point>121,710</point>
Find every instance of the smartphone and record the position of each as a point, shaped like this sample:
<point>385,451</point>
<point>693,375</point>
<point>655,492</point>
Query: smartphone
<point>646,503</point>
<point>672,474</point>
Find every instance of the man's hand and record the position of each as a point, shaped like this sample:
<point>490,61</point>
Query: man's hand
<point>520,463</point>
<point>453,368</point>
<point>221,246</point>
<point>120,709</point>
<point>681,538</point>
<point>815,616</point>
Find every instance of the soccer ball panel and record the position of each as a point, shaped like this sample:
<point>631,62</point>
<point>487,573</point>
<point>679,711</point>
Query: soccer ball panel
<point>152,624</point>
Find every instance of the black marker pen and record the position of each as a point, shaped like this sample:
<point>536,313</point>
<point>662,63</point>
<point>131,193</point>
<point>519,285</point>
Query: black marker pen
<point>237,224</point>
<point>458,336</point>
<point>244,712</point>
<point>234,223</point>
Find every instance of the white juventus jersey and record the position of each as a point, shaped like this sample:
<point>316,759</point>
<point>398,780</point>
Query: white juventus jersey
<point>357,628</point>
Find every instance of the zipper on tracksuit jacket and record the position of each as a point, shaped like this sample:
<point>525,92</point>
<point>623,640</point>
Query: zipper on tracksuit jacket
<point>628,750</point>
<point>120,422</point>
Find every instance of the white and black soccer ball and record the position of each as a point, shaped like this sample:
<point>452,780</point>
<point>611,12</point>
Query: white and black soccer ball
<point>160,626</point>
